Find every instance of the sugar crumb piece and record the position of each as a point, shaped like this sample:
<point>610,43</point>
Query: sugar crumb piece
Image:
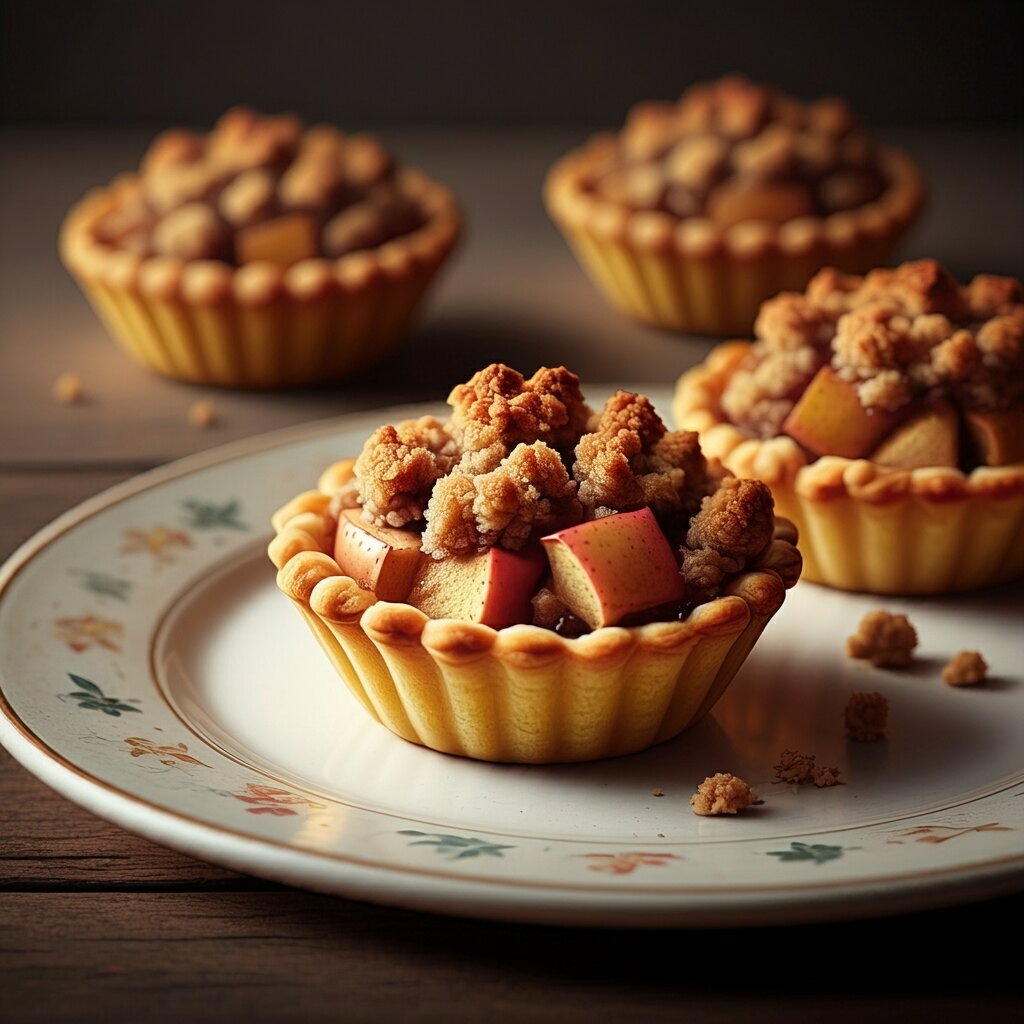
<point>722,793</point>
<point>886,640</point>
<point>965,669</point>
<point>824,777</point>
<point>657,792</point>
<point>794,768</point>
<point>866,717</point>
<point>68,388</point>
<point>202,413</point>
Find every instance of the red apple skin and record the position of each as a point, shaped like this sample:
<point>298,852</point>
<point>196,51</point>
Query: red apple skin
<point>512,578</point>
<point>493,588</point>
<point>608,569</point>
<point>379,558</point>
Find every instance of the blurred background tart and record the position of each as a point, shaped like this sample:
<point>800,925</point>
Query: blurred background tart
<point>698,210</point>
<point>262,254</point>
<point>886,413</point>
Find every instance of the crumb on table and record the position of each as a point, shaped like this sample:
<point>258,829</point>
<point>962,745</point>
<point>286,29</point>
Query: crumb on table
<point>722,793</point>
<point>886,640</point>
<point>68,388</point>
<point>965,669</point>
<point>866,716</point>
<point>657,791</point>
<point>202,413</point>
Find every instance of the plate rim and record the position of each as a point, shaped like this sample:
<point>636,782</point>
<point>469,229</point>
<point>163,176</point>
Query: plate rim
<point>429,891</point>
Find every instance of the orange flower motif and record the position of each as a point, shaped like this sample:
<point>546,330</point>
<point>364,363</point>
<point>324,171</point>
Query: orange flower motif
<point>270,800</point>
<point>172,755</point>
<point>158,541</point>
<point>627,863</point>
<point>941,833</point>
<point>89,631</point>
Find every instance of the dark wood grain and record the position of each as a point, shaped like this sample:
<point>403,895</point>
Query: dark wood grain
<point>291,956</point>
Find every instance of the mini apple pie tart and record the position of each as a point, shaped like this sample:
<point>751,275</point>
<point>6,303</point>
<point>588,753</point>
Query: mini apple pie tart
<point>886,413</point>
<point>262,254</point>
<point>533,581</point>
<point>699,210</point>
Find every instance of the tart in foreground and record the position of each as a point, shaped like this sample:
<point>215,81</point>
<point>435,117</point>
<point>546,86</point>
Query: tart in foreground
<point>533,581</point>
<point>886,413</point>
<point>699,210</point>
<point>261,254</point>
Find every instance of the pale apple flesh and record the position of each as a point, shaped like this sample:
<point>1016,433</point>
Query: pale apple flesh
<point>610,568</point>
<point>829,419</point>
<point>379,558</point>
<point>930,437</point>
<point>493,588</point>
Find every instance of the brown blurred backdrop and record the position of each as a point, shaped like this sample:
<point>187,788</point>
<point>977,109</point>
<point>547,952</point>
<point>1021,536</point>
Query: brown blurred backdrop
<point>466,62</point>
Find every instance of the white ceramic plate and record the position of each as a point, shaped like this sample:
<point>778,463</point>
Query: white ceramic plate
<point>151,672</point>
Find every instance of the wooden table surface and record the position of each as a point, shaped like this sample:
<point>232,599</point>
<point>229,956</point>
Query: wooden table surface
<point>98,924</point>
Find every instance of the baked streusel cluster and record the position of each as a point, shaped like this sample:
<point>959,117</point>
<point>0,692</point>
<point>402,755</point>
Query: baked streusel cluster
<point>262,188</point>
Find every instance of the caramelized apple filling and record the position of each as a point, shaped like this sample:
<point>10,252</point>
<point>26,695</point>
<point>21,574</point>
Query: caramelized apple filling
<point>904,367</point>
<point>529,506</point>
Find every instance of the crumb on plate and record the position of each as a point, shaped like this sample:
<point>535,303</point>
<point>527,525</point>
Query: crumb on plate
<point>658,791</point>
<point>794,767</point>
<point>884,639</point>
<point>965,668</point>
<point>722,793</point>
<point>825,777</point>
<point>866,717</point>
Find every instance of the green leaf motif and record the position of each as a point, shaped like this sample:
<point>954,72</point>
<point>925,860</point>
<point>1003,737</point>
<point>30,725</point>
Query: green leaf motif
<point>818,853</point>
<point>89,697</point>
<point>104,585</point>
<point>456,847</point>
<point>208,515</point>
<point>85,684</point>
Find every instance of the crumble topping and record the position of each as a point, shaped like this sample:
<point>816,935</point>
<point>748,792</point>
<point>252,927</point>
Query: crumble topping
<point>262,188</point>
<point>522,458</point>
<point>722,793</point>
<point>898,336</point>
<point>965,669</point>
<point>731,151</point>
<point>884,639</point>
<point>866,717</point>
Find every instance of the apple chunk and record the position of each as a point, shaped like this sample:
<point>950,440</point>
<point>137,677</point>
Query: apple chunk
<point>379,558</point>
<point>998,436</point>
<point>493,588</point>
<point>829,419</point>
<point>609,568</point>
<point>930,437</point>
